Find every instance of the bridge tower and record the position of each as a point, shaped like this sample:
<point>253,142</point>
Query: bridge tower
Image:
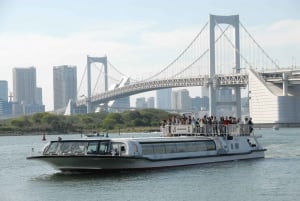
<point>91,60</point>
<point>232,20</point>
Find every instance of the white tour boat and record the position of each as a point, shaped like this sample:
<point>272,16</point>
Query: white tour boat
<point>180,145</point>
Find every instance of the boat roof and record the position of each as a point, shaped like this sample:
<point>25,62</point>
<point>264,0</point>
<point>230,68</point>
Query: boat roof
<point>139,139</point>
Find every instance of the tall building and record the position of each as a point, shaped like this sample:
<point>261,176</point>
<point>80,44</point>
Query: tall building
<point>181,100</point>
<point>5,106</point>
<point>64,85</point>
<point>24,85</point>
<point>184,100</point>
<point>39,96</point>
<point>3,90</point>
<point>150,102</point>
<point>196,103</point>
<point>163,98</point>
<point>174,100</point>
<point>24,92</point>
<point>141,102</point>
<point>204,103</point>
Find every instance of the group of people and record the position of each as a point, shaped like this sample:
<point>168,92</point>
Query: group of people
<point>212,124</point>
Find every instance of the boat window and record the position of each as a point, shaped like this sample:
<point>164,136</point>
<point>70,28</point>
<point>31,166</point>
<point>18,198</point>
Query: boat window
<point>52,149</point>
<point>66,148</point>
<point>180,147</point>
<point>170,148</point>
<point>104,147</point>
<point>116,148</point>
<point>92,148</point>
<point>159,148</point>
<point>211,145</point>
<point>147,149</point>
<point>78,148</point>
<point>192,146</point>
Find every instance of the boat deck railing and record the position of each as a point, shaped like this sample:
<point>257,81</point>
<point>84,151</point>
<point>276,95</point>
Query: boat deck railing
<point>207,130</point>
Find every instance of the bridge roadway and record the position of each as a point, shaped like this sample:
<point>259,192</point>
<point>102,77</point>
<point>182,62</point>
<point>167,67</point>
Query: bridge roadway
<point>231,80</point>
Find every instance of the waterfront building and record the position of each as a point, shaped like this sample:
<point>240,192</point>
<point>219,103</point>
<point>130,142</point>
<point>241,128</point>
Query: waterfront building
<point>25,92</point>
<point>174,100</point>
<point>150,102</point>
<point>181,100</point>
<point>163,98</point>
<point>24,85</point>
<point>64,85</point>
<point>204,103</point>
<point>141,102</point>
<point>39,96</point>
<point>5,109</point>
<point>196,103</point>
<point>3,90</point>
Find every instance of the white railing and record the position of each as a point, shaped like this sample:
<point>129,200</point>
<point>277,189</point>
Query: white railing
<point>207,130</point>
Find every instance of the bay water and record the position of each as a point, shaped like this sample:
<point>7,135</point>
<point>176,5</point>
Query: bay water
<point>274,178</point>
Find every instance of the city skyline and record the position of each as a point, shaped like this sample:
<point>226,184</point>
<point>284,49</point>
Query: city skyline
<point>53,33</point>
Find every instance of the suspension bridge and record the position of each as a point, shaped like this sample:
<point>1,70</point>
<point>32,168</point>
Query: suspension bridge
<point>219,56</point>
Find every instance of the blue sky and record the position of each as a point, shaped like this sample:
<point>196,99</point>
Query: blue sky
<point>130,32</point>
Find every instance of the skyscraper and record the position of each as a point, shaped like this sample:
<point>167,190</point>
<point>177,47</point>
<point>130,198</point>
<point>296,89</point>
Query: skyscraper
<point>150,102</point>
<point>24,92</point>
<point>64,85</point>
<point>163,98</point>
<point>141,102</point>
<point>39,96</point>
<point>3,90</point>
<point>181,100</point>
<point>184,100</point>
<point>5,106</point>
<point>24,85</point>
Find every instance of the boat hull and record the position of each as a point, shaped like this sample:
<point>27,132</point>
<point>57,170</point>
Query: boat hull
<point>123,163</point>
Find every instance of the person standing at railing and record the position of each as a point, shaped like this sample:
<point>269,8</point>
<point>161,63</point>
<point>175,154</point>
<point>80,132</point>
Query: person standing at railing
<point>226,123</point>
<point>250,123</point>
<point>204,121</point>
<point>246,126</point>
<point>215,125</point>
<point>221,126</point>
<point>241,126</point>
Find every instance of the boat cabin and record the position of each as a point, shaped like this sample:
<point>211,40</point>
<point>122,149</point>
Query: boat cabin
<point>129,147</point>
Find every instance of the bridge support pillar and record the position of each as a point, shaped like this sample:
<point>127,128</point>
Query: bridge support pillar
<point>232,20</point>
<point>238,102</point>
<point>285,84</point>
<point>91,60</point>
<point>212,101</point>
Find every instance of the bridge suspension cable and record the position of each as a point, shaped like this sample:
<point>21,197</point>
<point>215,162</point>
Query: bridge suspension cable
<point>264,52</point>
<point>116,69</point>
<point>97,80</point>
<point>202,55</point>
<point>81,81</point>
<point>235,49</point>
<point>180,55</point>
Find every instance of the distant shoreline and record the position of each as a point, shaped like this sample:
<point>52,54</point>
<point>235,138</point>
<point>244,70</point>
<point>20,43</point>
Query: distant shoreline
<point>148,129</point>
<point>121,130</point>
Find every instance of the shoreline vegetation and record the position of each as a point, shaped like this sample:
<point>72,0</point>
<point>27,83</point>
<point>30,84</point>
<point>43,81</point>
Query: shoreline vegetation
<point>143,121</point>
<point>137,121</point>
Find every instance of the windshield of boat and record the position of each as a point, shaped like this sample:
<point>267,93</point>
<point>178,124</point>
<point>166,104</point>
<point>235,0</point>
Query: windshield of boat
<point>77,147</point>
